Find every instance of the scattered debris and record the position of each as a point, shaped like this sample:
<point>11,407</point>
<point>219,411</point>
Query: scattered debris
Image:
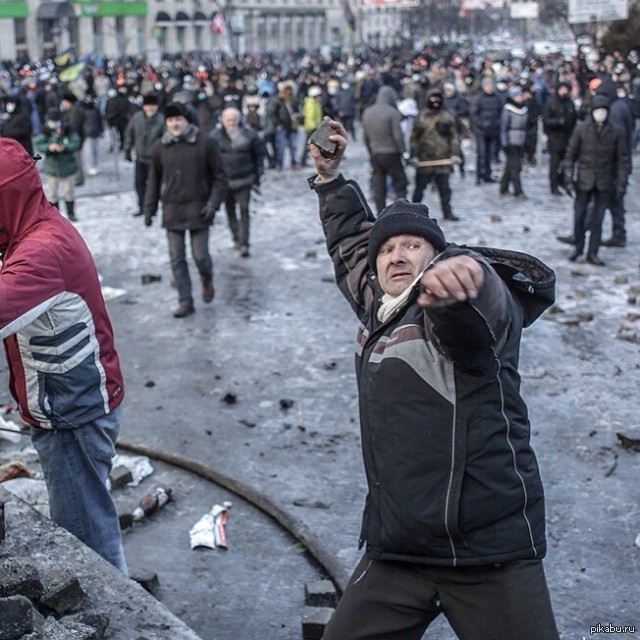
<point>331,279</point>
<point>312,253</point>
<point>247,423</point>
<point>11,431</point>
<point>330,365</point>
<point>152,501</point>
<point>495,218</point>
<point>229,398</point>
<point>15,469</point>
<point>210,531</point>
<point>140,467</point>
<point>317,504</point>
<point>148,278</point>
<point>314,621</point>
<point>632,317</point>
<point>148,580</point>
<point>149,384</point>
<point>286,403</point>
<point>630,334</point>
<point>576,319</point>
<point>320,593</point>
<point>628,443</point>
<point>526,229</point>
<point>120,476</point>
<point>621,279</point>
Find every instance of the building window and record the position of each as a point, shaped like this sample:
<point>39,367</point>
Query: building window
<point>20,27</point>
<point>197,36</point>
<point>180,37</point>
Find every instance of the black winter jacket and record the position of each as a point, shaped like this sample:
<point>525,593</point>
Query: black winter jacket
<point>185,174</point>
<point>243,158</point>
<point>451,475</point>
<point>485,114</point>
<point>602,155</point>
<point>142,133</point>
<point>559,119</point>
<point>18,127</point>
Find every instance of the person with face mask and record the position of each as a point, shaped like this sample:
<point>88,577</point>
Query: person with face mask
<point>435,144</point>
<point>242,153</point>
<point>559,119</point>
<point>15,123</point>
<point>59,144</point>
<point>601,154</point>
<point>188,174</point>
<point>142,132</point>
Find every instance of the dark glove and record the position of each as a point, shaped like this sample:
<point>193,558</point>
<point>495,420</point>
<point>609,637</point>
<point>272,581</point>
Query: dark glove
<point>148,220</point>
<point>208,213</point>
<point>127,156</point>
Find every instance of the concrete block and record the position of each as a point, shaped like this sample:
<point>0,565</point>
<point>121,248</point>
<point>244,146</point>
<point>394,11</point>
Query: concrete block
<point>79,630</point>
<point>62,593</point>
<point>2,524</point>
<point>120,476</point>
<point>18,618</point>
<point>320,593</point>
<point>19,577</point>
<point>314,620</point>
<point>148,580</point>
<point>98,621</point>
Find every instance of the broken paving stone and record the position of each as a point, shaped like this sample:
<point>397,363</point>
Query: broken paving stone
<point>312,253</point>
<point>149,384</point>
<point>230,398</point>
<point>320,593</point>
<point>18,618</point>
<point>62,593</point>
<point>330,365</point>
<point>576,319</point>
<point>328,279</point>
<point>148,580</point>
<point>314,621</point>
<point>526,229</point>
<point>148,278</point>
<point>19,577</point>
<point>126,520</point>
<point>495,218</point>
<point>316,504</point>
<point>621,279</point>
<point>247,423</point>
<point>120,476</point>
<point>630,334</point>
<point>633,444</point>
<point>286,403</point>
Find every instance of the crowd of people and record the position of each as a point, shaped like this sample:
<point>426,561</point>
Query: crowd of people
<point>203,135</point>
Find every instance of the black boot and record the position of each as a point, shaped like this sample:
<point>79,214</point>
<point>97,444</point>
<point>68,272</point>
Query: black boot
<point>70,212</point>
<point>55,204</point>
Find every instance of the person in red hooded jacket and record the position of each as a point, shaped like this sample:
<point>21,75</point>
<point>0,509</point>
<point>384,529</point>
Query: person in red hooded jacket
<point>64,370</point>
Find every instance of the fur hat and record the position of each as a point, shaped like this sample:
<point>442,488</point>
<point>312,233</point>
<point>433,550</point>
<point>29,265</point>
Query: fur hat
<point>174,110</point>
<point>404,217</point>
<point>150,98</point>
<point>53,114</point>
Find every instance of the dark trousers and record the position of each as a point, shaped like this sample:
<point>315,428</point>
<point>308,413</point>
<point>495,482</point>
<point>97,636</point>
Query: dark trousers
<point>239,226</point>
<point>441,180</point>
<point>512,169</point>
<point>616,206</point>
<point>383,165</point>
<point>556,159</point>
<point>485,149</point>
<point>141,175</point>
<point>398,601</point>
<point>590,219</point>
<point>178,254</point>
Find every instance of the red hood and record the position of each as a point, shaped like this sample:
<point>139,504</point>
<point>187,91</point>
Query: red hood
<point>22,200</point>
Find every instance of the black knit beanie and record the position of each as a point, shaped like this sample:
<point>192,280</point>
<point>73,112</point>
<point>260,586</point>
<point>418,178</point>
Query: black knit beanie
<point>404,218</point>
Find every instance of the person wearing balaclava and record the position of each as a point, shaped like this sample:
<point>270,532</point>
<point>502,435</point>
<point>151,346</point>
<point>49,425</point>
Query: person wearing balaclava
<point>435,144</point>
<point>454,521</point>
<point>16,123</point>
<point>601,153</point>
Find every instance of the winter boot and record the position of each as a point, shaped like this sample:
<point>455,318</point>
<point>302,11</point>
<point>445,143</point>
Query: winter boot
<point>70,212</point>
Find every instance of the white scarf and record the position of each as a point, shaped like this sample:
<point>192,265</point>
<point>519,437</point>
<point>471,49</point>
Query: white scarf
<point>391,304</point>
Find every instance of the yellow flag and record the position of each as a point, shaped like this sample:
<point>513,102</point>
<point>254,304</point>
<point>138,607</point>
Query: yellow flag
<point>71,73</point>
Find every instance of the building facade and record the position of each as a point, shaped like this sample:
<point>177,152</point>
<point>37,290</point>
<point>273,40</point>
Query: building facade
<point>114,28</point>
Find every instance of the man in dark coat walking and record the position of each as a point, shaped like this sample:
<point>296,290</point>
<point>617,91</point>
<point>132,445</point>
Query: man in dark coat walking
<point>486,109</point>
<point>187,173</point>
<point>559,119</point>
<point>144,129</point>
<point>242,154</point>
<point>602,154</point>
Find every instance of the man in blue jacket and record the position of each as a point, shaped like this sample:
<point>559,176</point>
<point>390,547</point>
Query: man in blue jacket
<point>454,519</point>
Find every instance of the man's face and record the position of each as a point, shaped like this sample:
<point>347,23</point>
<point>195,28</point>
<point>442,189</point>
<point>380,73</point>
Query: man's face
<point>400,260</point>
<point>150,110</point>
<point>230,120</point>
<point>176,125</point>
<point>563,91</point>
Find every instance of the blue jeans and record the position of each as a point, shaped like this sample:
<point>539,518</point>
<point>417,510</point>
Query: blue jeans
<point>76,464</point>
<point>485,150</point>
<point>178,255</point>
<point>286,140</point>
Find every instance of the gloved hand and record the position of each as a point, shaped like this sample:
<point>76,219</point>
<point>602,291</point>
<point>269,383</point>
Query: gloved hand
<point>148,220</point>
<point>127,156</point>
<point>208,213</point>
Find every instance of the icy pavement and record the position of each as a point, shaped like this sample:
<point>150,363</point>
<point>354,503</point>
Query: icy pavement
<point>279,330</point>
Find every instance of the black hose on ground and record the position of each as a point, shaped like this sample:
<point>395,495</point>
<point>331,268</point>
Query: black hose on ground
<point>288,522</point>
